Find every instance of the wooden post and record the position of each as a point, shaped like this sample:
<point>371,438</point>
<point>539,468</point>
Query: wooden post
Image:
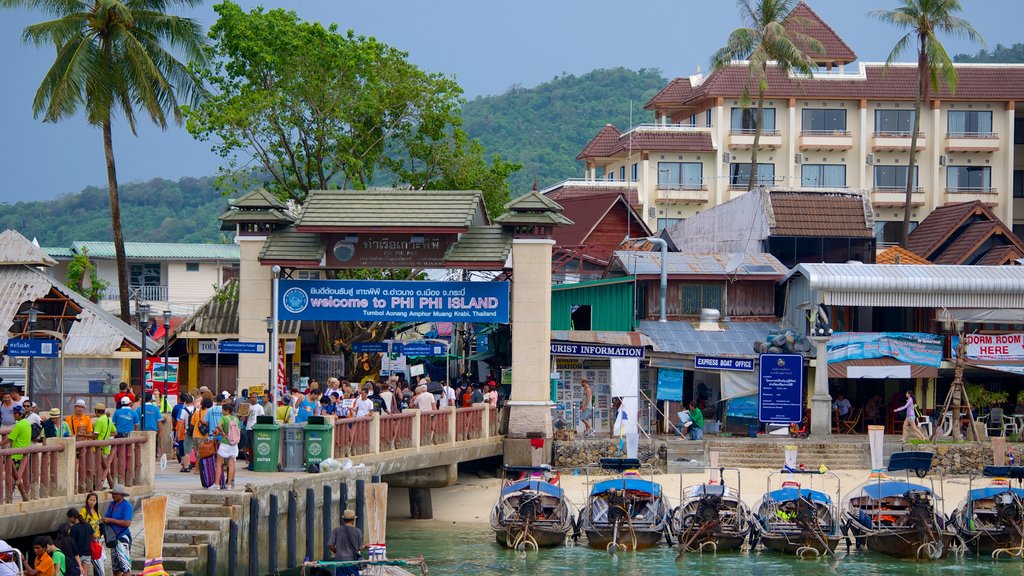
<point>375,433</point>
<point>271,535</point>
<point>361,505</point>
<point>310,524</point>
<point>999,451</point>
<point>452,423</point>
<point>417,422</point>
<point>376,513</point>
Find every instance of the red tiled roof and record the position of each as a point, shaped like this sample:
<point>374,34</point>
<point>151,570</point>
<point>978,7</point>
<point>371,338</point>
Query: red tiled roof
<point>966,243</point>
<point>898,255</point>
<point>1000,256</point>
<point>819,215</point>
<point>601,145</point>
<point>649,141</point>
<point>569,192</point>
<point>677,90</point>
<point>940,224</point>
<point>810,24</point>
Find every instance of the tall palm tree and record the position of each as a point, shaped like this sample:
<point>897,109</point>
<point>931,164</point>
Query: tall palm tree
<point>114,56</point>
<point>924,20</point>
<point>766,39</point>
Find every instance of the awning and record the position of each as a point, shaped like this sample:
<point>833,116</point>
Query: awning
<point>481,356</point>
<point>601,337</point>
<point>1017,369</point>
<point>879,369</point>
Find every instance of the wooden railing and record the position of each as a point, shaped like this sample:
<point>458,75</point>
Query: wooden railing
<point>469,423</point>
<point>492,418</point>
<point>352,436</point>
<point>434,427</point>
<point>29,472</point>
<point>114,461</point>
<point>396,431</point>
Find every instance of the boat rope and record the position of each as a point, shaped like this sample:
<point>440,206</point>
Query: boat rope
<point>804,551</point>
<point>708,544</point>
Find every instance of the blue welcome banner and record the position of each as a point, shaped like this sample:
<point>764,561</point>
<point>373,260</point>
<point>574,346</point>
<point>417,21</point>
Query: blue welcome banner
<point>393,301</point>
<point>670,385</point>
<point>909,347</point>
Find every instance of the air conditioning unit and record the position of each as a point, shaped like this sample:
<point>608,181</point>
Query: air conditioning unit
<point>870,159</point>
<point>799,158</point>
<point>652,212</point>
<point>943,160</point>
<point>726,158</point>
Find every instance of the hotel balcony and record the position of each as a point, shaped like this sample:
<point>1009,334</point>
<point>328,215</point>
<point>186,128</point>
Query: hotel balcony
<point>744,140</point>
<point>682,194</point>
<point>885,197</point>
<point>896,141</point>
<point>825,140</point>
<point>972,142</point>
<point>988,195</point>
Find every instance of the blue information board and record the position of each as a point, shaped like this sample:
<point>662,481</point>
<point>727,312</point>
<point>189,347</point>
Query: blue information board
<point>27,348</point>
<point>781,388</point>
<point>238,347</point>
<point>393,300</point>
<point>423,349</point>
<point>670,385</point>
<point>379,347</point>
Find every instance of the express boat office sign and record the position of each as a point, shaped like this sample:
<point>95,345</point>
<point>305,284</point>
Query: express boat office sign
<point>599,350</point>
<point>393,301</point>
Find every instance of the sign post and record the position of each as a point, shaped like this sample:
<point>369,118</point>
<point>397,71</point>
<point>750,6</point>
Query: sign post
<point>781,388</point>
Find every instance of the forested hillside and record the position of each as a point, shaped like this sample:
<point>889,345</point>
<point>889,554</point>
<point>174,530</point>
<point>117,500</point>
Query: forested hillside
<point>545,127</point>
<point>1000,54</point>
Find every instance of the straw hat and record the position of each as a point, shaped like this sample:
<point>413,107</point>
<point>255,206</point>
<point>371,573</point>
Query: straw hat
<point>55,412</point>
<point>100,407</point>
<point>349,515</point>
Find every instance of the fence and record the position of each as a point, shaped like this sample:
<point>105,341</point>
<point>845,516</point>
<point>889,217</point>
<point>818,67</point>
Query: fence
<point>114,461</point>
<point>413,429</point>
<point>352,436</point>
<point>31,472</point>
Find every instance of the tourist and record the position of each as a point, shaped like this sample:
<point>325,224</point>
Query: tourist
<point>910,427</point>
<point>478,396</point>
<point>91,515</point>
<point>841,407</point>
<point>230,432</point>
<point>447,395</point>
<point>467,396</point>
<point>423,400</point>
<point>363,405</point>
<point>7,410</point>
<point>491,397</point>
<point>346,542</point>
<point>126,420</point>
<point>587,408</point>
<point>283,414</point>
<point>64,545</point>
<point>183,430</point>
<point>82,534</point>
<point>42,564</point>
<point>119,518</point>
<point>375,397</point>
<point>54,427</point>
<point>16,395</point>
<point>80,422</point>
<point>199,428</point>
<point>30,413</point>
<point>873,410</point>
<point>124,391</point>
<point>20,436</point>
<point>102,425</point>
<point>213,416</point>
<point>387,395</point>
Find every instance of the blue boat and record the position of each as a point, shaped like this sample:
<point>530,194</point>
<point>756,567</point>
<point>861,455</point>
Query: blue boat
<point>711,516</point>
<point>798,520</point>
<point>991,519</point>
<point>532,511</point>
<point>625,513</point>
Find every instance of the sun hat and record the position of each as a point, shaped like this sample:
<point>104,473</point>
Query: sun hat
<point>79,402</point>
<point>100,407</point>
<point>126,401</point>
<point>119,489</point>
<point>349,514</point>
<point>55,412</point>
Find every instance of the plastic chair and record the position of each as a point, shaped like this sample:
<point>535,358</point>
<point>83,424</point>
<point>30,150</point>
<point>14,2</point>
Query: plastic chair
<point>995,422</point>
<point>1010,426</point>
<point>925,424</point>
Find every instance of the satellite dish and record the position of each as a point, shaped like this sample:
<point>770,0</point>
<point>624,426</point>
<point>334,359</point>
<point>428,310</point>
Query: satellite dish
<point>735,262</point>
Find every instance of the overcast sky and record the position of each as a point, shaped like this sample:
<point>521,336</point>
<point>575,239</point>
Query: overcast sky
<point>488,46</point>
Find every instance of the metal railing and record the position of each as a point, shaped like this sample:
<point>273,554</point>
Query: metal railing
<point>894,189</point>
<point>979,135</point>
<point>837,133</point>
<point>682,187</point>
<point>751,131</point>
<point>147,293</point>
<point>897,134</point>
<point>647,127</point>
<point>972,190</point>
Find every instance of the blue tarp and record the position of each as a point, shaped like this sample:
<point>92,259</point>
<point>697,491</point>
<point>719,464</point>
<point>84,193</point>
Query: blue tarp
<point>535,485</point>
<point>887,489</point>
<point>787,494</point>
<point>991,491</point>
<point>637,484</point>
<point>1015,472</point>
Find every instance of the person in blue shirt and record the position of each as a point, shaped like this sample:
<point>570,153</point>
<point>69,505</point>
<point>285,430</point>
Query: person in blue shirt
<point>119,518</point>
<point>125,419</point>
<point>305,410</point>
<point>149,414</point>
<point>213,416</point>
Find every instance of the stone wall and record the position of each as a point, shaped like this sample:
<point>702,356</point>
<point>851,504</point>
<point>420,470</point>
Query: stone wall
<point>573,454</point>
<point>961,459</point>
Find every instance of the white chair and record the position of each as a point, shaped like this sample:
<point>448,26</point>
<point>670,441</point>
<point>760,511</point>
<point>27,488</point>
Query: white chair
<point>1010,426</point>
<point>925,424</point>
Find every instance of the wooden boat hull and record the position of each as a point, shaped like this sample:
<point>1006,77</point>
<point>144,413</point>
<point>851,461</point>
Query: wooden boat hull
<point>791,543</point>
<point>988,542</point>
<point>903,543</point>
<point>544,538</point>
<point>601,538</point>
<point>722,542</point>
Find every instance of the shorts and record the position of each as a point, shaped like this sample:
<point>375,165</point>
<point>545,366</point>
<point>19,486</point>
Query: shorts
<point>587,414</point>
<point>120,556</point>
<point>227,450</point>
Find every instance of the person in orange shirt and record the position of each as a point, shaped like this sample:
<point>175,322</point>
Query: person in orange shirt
<point>43,565</point>
<point>80,422</point>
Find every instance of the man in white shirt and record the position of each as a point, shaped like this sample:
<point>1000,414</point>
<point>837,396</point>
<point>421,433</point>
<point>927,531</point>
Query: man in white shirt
<point>447,395</point>
<point>255,409</point>
<point>388,396</point>
<point>363,404</point>
<point>424,400</point>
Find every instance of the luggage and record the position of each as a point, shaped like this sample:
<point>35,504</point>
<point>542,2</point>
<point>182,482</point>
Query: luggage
<point>208,471</point>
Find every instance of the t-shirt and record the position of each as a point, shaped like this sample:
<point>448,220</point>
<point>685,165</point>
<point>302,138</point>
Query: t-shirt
<point>343,538</point>
<point>7,415</point>
<point>363,407</point>
<point>213,416</point>
<point>697,416</point>
<point>425,401</point>
<point>254,411</point>
<point>9,569</point>
<point>447,397</point>
<point>20,437</point>
<point>283,413</point>
<point>843,407</point>
<point>93,520</point>
<point>125,420</point>
<point>225,424</point>
<point>68,562</point>
<point>151,418</point>
<point>79,424</point>
<point>60,562</point>
<point>104,428</point>
<point>477,397</point>
<point>44,564</point>
<point>122,510</point>
<point>82,534</point>
<point>389,398</point>
<point>198,417</point>
<point>119,395</point>
<point>306,409</point>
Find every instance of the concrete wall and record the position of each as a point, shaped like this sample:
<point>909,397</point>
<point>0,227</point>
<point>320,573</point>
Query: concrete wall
<point>191,288</point>
<point>254,286</point>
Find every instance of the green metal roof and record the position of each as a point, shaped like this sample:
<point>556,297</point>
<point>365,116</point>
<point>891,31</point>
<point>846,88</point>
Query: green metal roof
<point>59,252</point>
<point>481,244</point>
<point>256,200</point>
<point>590,283</point>
<point>160,251</point>
<point>290,245</point>
<point>374,209</point>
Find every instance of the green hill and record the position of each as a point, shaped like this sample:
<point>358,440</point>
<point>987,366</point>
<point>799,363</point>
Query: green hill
<point>999,55</point>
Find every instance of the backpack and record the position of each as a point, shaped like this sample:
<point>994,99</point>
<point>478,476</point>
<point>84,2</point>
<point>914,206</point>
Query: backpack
<point>204,426</point>
<point>234,433</point>
<point>189,428</point>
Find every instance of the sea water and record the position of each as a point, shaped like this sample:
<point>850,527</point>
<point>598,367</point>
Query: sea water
<point>470,550</point>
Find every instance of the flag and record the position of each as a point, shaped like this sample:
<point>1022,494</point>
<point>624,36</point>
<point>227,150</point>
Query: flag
<point>282,379</point>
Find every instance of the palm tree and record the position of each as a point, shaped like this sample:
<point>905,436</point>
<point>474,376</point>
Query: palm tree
<point>924,19</point>
<point>766,39</point>
<point>114,56</point>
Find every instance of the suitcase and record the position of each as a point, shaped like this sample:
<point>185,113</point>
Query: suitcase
<point>208,471</point>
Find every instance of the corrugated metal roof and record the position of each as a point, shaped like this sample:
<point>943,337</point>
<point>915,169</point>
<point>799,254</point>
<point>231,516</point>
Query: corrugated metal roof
<point>914,285</point>
<point>371,209</point>
<point>602,337</point>
<point>16,249</point>
<point>735,339</point>
<point>708,264</point>
<point>59,252</point>
<point>218,316</point>
<point>161,250</point>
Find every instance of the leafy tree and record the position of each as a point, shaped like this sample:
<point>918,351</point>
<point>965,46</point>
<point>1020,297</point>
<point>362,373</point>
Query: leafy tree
<point>1000,55</point>
<point>770,35</point>
<point>924,20</point>
<point>112,57</point>
<point>81,268</point>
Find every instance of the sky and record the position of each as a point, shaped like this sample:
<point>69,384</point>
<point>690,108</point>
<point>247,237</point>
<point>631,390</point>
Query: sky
<point>487,46</point>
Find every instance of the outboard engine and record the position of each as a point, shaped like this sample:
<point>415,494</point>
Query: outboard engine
<point>616,507</point>
<point>1008,512</point>
<point>708,508</point>
<point>530,508</point>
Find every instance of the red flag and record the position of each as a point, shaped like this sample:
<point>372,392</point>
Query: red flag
<point>282,379</point>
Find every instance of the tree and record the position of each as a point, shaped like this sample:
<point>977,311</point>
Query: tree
<point>770,35</point>
<point>79,270</point>
<point>113,57</point>
<point>924,20</point>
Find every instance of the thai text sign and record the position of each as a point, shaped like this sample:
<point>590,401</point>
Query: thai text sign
<point>393,300</point>
<point>388,250</point>
<point>908,347</point>
<point>992,346</point>
<point>28,348</point>
<point>720,363</point>
<point>780,390</point>
<point>602,350</point>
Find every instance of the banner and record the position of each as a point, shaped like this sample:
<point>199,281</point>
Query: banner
<point>780,391</point>
<point>999,347</point>
<point>670,385</point>
<point>600,350</point>
<point>393,300</point>
<point>908,347</point>
<point>156,370</point>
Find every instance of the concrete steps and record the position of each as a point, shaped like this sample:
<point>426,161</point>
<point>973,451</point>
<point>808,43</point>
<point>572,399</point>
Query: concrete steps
<point>192,536</point>
<point>205,511</point>
<point>761,453</point>
<point>193,524</point>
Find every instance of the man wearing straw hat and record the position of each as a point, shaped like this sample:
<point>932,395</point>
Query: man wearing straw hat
<point>346,541</point>
<point>119,519</point>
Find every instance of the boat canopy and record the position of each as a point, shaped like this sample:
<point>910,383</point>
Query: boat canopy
<point>620,464</point>
<point>993,491</point>
<point>787,494</point>
<point>879,490</point>
<point>1015,472</point>
<point>635,484</point>
<point>535,485</point>
<point>913,461</point>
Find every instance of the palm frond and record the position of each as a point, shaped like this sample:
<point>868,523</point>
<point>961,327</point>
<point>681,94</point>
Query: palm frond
<point>739,46</point>
<point>57,32</point>
<point>940,64</point>
<point>62,90</point>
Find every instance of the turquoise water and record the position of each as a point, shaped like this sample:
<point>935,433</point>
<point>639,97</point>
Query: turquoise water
<point>465,550</point>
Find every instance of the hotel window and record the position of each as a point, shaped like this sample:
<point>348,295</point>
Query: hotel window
<point>970,122</point>
<point>894,121</point>
<point>1018,130</point>
<point>192,267</point>
<point>666,222</point>
<point>697,296</point>
<point>893,177</point>
<point>969,178</point>
<point>824,121</point>
<point>622,173</point>
<point>823,176</point>
<point>634,170</point>
<point>743,119</point>
<point>1018,183</point>
<point>680,175</point>
<point>739,174</point>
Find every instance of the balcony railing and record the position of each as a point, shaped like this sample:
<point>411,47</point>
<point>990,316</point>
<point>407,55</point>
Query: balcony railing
<point>896,189</point>
<point>667,186</point>
<point>669,128</point>
<point>980,135</point>
<point>751,131</point>
<point>146,293</point>
<point>897,134</point>
<point>836,133</point>
<point>972,190</point>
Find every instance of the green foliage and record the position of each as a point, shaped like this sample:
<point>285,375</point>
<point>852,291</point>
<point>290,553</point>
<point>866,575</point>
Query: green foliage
<point>159,210</point>
<point>1000,55</point>
<point>81,268</point>
<point>544,128</point>
<point>982,398</point>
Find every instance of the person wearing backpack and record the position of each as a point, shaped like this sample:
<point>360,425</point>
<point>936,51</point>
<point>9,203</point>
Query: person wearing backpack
<point>230,432</point>
<point>183,431</point>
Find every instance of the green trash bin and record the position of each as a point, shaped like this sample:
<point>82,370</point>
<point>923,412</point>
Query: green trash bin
<point>319,442</point>
<point>266,440</point>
